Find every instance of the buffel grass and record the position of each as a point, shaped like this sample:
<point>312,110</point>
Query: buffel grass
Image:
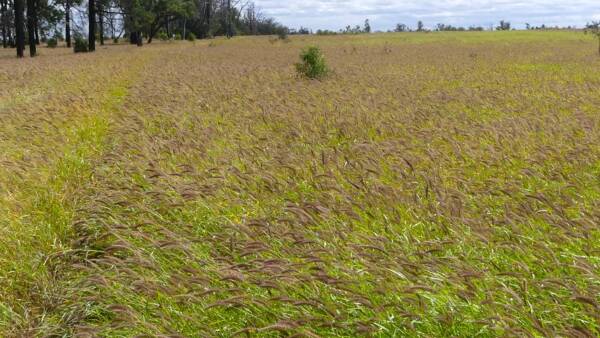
<point>433,185</point>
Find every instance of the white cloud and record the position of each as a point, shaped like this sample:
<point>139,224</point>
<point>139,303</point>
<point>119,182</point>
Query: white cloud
<point>385,14</point>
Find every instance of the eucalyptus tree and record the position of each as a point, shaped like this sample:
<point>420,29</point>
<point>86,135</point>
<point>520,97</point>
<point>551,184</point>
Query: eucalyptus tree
<point>5,21</point>
<point>19,8</point>
<point>162,11</point>
<point>134,18</point>
<point>150,16</point>
<point>31,26</point>
<point>49,15</point>
<point>92,25</point>
<point>67,6</point>
<point>100,5</point>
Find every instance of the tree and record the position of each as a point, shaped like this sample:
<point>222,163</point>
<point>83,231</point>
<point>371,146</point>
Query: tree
<point>303,31</point>
<point>420,26</point>
<point>4,21</point>
<point>476,28</point>
<point>134,18</point>
<point>100,11</point>
<point>36,25</point>
<point>149,17</point>
<point>163,10</point>
<point>67,5</point>
<point>504,26</point>
<point>229,19</point>
<point>594,29</point>
<point>113,17</point>
<point>92,25</point>
<point>440,27</point>
<point>48,16</point>
<point>251,19</point>
<point>367,27</point>
<point>31,26</point>
<point>401,28</point>
<point>20,26</point>
<point>207,12</point>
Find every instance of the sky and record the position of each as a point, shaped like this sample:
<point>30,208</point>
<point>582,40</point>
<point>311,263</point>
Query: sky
<point>385,14</point>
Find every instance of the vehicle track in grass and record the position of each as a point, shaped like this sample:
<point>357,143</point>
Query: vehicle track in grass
<point>49,150</point>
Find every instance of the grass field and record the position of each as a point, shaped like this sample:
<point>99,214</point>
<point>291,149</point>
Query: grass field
<point>434,185</point>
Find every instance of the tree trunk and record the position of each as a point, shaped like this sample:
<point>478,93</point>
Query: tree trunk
<point>168,26</point>
<point>150,38</point>
<point>20,27</point>
<point>229,30</point>
<point>133,35</point>
<point>101,23</point>
<point>92,25</point>
<point>35,22</point>
<point>68,23</point>
<point>156,25</point>
<point>31,26</point>
<point>208,16</point>
<point>3,21</point>
<point>112,27</point>
<point>136,38</point>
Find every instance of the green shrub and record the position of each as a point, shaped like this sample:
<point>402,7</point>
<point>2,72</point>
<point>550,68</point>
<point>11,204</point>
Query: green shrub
<point>191,37</point>
<point>80,45</point>
<point>282,33</point>
<point>177,36</point>
<point>162,36</point>
<point>52,43</point>
<point>312,63</point>
<point>116,41</point>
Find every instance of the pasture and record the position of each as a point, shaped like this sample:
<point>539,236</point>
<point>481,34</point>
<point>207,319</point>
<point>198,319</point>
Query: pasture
<point>433,185</point>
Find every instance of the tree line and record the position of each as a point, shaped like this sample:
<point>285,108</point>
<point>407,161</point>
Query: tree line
<point>502,26</point>
<point>30,22</point>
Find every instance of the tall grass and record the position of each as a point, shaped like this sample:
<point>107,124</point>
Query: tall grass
<point>409,195</point>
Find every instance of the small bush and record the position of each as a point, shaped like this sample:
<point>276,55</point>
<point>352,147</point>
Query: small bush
<point>191,37</point>
<point>162,36</point>
<point>177,36</point>
<point>116,41</point>
<point>282,33</point>
<point>312,63</point>
<point>81,45</point>
<point>52,43</point>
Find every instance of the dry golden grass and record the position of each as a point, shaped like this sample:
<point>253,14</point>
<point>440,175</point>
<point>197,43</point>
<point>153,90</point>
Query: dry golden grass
<point>433,185</point>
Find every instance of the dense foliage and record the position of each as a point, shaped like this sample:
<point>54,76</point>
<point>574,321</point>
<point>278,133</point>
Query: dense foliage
<point>52,43</point>
<point>80,45</point>
<point>137,20</point>
<point>312,63</point>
